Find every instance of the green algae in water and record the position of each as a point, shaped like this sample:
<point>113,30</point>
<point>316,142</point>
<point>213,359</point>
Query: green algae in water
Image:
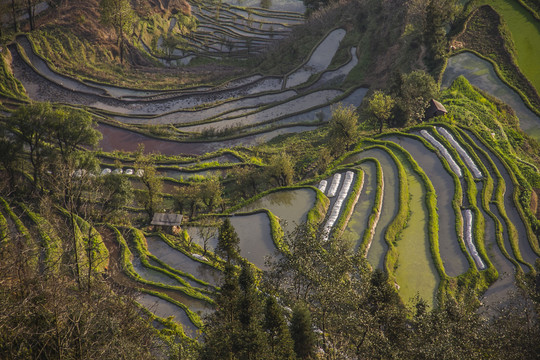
<point>291,206</point>
<point>525,31</point>
<point>359,220</point>
<point>416,272</point>
<point>390,203</point>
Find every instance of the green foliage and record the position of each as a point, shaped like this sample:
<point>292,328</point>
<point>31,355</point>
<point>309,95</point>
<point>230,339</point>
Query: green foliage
<point>343,132</point>
<point>228,242</point>
<point>281,169</point>
<point>275,326</point>
<point>50,242</point>
<point>149,198</point>
<point>380,108</point>
<point>302,333</point>
<point>120,15</point>
<point>414,92</point>
<point>9,86</point>
<point>375,211</point>
<point>235,330</point>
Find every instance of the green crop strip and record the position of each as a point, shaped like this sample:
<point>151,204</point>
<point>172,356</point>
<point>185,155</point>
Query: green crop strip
<point>10,87</point>
<point>458,192</point>
<point>128,268</point>
<point>367,238</point>
<point>352,198</point>
<point>499,201</point>
<point>50,241</point>
<point>140,245</point>
<point>4,231</point>
<point>213,260</point>
<point>489,275</point>
<point>33,259</point>
<point>488,191</point>
<point>433,217</point>
<point>194,317</point>
<point>394,229</point>
<point>515,174</point>
<point>98,250</point>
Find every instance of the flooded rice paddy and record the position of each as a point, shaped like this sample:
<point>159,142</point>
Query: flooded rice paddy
<point>390,206</point>
<point>481,74</point>
<point>454,261</point>
<point>290,206</point>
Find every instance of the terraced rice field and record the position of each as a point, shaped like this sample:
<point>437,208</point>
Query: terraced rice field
<point>481,74</point>
<point>403,200</point>
<point>525,31</point>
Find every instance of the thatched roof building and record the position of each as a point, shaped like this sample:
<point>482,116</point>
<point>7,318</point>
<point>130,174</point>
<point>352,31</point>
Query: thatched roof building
<point>435,108</point>
<point>163,219</point>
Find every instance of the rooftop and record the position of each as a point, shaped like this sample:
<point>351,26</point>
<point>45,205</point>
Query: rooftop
<point>164,219</point>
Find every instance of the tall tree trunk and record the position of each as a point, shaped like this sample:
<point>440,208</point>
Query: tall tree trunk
<point>77,268</point>
<point>30,14</point>
<point>14,14</point>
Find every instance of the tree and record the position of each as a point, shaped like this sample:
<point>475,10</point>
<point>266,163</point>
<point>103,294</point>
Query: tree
<point>302,333</point>
<point>31,10</point>
<point>206,231</point>
<point>275,326</point>
<point>281,169</point>
<point>417,88</point>
<point>189,196</point>
<point>31,126</point>
<point>380,108</point>
<point>10,151</point>
<point>120,15</point>
<point>72,128</point>
<point>222,327</point>
<point>343,131</point>
<point>333,281</point>
<point>115,193</point>
<point>438,15</point>
<point>211,192</point>
<point>150,197</point>
<point>246,179</point>
<point>228,242</point>
<point>252,339</point>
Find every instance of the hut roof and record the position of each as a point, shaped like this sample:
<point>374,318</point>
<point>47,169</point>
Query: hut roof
<point>163,219</point>
<point>438,105</point>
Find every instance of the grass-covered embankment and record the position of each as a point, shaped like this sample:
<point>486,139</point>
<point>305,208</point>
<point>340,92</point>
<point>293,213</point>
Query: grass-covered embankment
<point>499,37</point>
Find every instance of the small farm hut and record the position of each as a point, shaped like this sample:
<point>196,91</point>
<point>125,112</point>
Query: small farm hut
<point>167,222</point>
<point>435,108</point>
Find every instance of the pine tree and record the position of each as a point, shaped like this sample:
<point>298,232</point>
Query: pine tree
<point>228,242</point>
<point>279,338</point>
<point>302,333</point>
<point>222,327</point>
<point>252,341</point>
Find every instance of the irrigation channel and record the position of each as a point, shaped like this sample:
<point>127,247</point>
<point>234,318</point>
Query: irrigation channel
<point>363,196</point>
